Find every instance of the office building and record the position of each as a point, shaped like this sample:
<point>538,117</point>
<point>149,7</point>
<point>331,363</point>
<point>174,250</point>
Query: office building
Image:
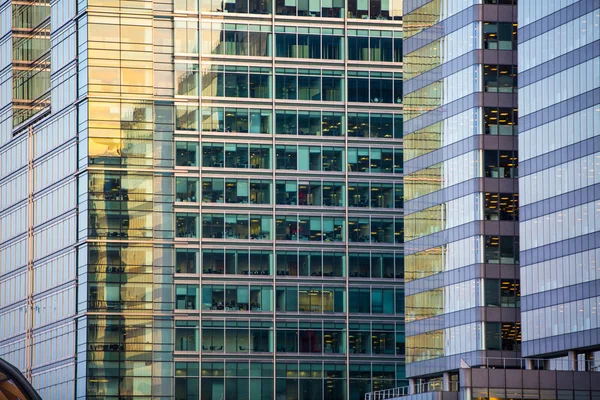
<point>559,139</point>
<point>552,277</point>
<point>202,199</point>
<point>461,205</point>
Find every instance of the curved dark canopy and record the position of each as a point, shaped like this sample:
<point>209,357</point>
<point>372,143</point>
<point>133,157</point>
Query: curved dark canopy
<point>13,385</point>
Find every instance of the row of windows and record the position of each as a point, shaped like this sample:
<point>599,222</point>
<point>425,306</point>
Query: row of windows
<point>442,216</point>
<point>305,193</point>
<point>54,203</point>
<point>444,300</point>
<point>53,273</point>
<point>13,289</point>
<point>443,133</point>
<point>13,322</point>
<point>443,50</point>
<point>500,121</point>
<point>55,168</point>
<point>123,223</point>
<point>304,299</point>
<point>56,132</point>
<point>435,11</point>
<point>533,10</point>
<point>54,307</point>
<point>563,178</point>
<point>222,38</point>
<point>292,369</point>
<point>442,258</point>
<point>243,120</point>
<point>290,84</point>
<point>495,35</point>
<point>54,238</point>
<point>461,253</point>
<point>560,40</point>
<point>14,255</point>
<point>130,257</point>
<point>54,344</point>
<point>561,272</point>
<point>463,339</point>
<point>329,338</point>
<point>545,138</point>
<point>500,78</point>
<point>13,223</point>
<point>496,164</point>
<point>500,164</point>
<point>304,381</point>
<point>445,342</point>
<point>120,386</point>
<point>13,157</point>
<point>496,121</point>
<point>442,92</point>
<point>290,228</point>
<point>55,383</point>
<point>63,48</point>
<point>290,42</point>
<point>497,206</point>
<point>500,35</point>
<point>443,175</point>
<point>561,86</point>
<point>363,45</point>
<point>290,263</point>
<point>289,122</point>
<point>561,225</point>
<point>120,294</point>
<point>13,190</point>
<point>112,185</point>
<point>357,9</point>
<point>561,319</point>
<point>291,157</point>
<point>127,339</point>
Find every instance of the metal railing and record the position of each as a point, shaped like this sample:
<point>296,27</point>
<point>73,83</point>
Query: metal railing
<point>388,393</point>
<point>424,387</point>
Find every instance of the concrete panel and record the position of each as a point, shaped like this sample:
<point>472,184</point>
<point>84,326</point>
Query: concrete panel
<point>497,378</point>
<point>531,379</point>
<point>479,377</point>
<point>595,381</point>
<point>581,380</point>
<point>547,379</point>
<point>514,378</point>
<point>564,380</point>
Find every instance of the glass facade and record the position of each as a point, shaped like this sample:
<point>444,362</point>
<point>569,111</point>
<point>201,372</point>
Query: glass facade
<point>201,198</point>
<point>462,245</point>
<point>560,176</point>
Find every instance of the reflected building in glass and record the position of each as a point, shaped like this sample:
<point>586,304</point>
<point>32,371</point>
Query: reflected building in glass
<point>202,199</point>
<point>559,138</point>
<point>461,210</point>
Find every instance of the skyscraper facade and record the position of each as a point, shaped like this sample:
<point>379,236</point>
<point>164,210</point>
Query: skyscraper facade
<point>202,199</point>
<point>553,262</point>
<point>559,139</point>
<point>461,210</point>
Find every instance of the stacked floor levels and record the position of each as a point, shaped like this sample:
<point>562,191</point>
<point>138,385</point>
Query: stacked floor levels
<point>202,199</point>
<point>462,244</point>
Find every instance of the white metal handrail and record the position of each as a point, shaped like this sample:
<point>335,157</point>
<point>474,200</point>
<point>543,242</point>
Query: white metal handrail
<point>418,388</point>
